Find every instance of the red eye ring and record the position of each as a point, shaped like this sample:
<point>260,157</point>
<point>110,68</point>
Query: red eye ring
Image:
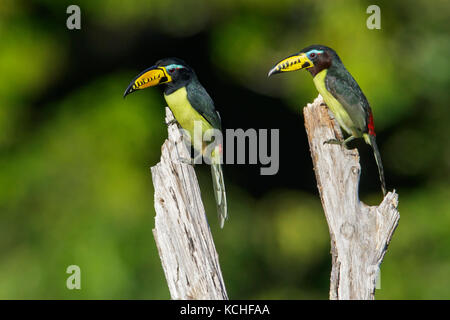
<point>312,55</point>
<point>173,69</point>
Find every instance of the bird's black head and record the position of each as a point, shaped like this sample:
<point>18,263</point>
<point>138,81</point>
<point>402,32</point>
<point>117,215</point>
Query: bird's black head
<point>314,58</point>
<point>174,73</point>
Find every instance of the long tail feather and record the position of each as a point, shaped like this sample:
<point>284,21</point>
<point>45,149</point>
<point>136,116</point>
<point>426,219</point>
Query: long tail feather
<point>219,192</point>
<point>373,143</point>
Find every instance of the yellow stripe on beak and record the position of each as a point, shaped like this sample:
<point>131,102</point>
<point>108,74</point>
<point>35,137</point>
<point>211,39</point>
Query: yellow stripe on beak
<point>148,78</point>
<point>151,78</point>
<point>292,63</point>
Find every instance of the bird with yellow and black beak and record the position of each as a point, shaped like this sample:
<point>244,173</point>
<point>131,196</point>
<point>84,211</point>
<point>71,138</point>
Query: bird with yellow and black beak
<point>192,108</point>
<point>340,92</point>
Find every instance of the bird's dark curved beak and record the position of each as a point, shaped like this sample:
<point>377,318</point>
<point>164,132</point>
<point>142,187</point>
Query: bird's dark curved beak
<point>148,78</point>
<point>291,63</point>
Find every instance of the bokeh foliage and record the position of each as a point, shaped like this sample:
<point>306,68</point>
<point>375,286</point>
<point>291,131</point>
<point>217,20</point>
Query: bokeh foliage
<point>75,186</point>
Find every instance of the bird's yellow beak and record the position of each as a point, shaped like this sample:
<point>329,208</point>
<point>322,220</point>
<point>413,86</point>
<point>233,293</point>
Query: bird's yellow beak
<point>148,78</point>
<point>292,63</point>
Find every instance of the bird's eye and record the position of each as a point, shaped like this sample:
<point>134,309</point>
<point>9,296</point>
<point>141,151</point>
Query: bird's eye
<point>312,55</point>
<point>172,70</point>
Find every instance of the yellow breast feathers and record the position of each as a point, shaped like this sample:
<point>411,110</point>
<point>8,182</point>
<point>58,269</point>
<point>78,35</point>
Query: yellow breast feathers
<point>184,113</point>
<point>335,106</point>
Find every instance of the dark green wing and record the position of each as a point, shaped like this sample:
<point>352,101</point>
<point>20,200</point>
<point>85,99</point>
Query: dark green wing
<point>347,91</point>
<point>203,104</point>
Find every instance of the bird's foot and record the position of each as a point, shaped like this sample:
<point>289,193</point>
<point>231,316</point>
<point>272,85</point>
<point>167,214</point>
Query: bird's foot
<point>187,161</point>
<point>340,142</point>
<point>334,141</point>
<point>173,121</point>
<point>190,161</point>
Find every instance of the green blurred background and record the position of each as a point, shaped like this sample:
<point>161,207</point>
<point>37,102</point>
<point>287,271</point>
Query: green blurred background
<point>75,185</point>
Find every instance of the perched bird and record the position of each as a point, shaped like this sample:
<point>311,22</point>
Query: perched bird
<point>191,106</point>
<point>340,92</point>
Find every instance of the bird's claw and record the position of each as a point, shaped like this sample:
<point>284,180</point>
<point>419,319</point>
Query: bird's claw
<point>341,142</point>
<point>186,161</point>
<point>173,121</point>
<point>334,141</point>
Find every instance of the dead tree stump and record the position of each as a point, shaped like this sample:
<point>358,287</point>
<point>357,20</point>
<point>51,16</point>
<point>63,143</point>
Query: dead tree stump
<point>359,233</point>
<point>182,234</point>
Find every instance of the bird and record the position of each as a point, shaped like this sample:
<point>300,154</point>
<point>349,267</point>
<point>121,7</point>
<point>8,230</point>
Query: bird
<point>341,93</point>
<point>192,108</point>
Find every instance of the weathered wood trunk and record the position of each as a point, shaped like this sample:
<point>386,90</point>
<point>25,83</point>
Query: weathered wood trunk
<point>360,234</point>
<point>182,234</point>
